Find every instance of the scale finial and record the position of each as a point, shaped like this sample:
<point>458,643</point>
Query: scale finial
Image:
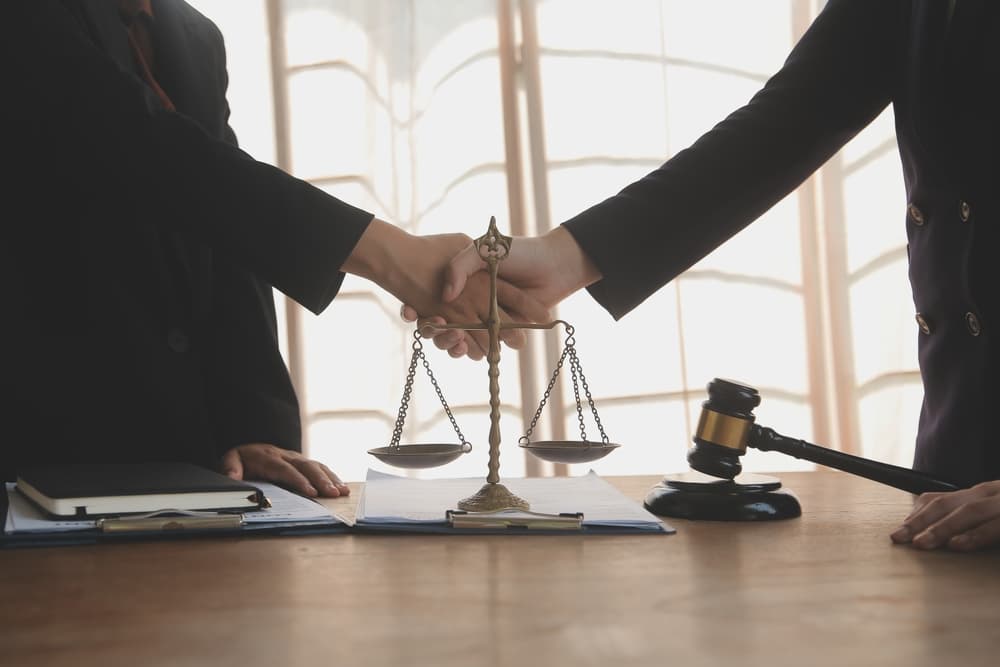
<point>493,245</point>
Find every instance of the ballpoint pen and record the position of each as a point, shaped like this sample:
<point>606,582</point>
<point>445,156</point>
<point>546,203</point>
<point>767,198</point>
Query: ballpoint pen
<point>171,520</point>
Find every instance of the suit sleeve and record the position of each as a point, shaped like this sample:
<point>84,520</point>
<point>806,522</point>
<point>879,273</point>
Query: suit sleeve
<point>72,106</point>
<point>835,81</point>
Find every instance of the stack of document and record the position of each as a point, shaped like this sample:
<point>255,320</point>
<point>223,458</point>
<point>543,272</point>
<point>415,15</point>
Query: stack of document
<point>288,513</point>
<point>401,504</point>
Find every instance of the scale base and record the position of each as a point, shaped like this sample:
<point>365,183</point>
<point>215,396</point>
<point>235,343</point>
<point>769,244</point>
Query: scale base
<point>492,497</point>
<point>703,498</point>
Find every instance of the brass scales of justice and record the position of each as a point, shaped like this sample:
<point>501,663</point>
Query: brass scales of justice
<point>494,247</point>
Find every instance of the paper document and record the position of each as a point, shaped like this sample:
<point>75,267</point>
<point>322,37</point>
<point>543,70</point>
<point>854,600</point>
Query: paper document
<point>402,503</point>
<point>287,509</point>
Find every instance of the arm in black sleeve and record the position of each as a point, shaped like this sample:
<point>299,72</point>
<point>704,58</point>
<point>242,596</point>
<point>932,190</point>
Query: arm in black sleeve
<point>69,106</point>
<point>835,81</point>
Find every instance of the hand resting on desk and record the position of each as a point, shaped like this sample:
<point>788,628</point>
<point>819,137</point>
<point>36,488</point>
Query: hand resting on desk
<point>267,463</point>
<point>963,520</point>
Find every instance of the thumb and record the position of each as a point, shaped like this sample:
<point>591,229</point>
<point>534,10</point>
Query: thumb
<point>232,464</point>
<point>520,304</point>
<point>408,313</point>
<point>462,265</point>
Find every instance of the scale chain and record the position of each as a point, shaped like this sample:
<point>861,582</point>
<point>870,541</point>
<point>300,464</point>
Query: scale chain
<point>576,369</point>
<point>418,353</point>
<point>404,403</point>
<point>545,397</point>
<point>575,361</point>
<point>576,394</point>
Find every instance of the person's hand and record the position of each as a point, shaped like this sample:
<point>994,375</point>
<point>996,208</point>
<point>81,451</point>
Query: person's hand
<point>545,268</point>
<point>412,268</point>
<point>963,520</point>
<point>267,463</point>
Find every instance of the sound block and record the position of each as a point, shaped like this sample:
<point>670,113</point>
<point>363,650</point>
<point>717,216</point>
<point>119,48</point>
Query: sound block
<point>748,497</point>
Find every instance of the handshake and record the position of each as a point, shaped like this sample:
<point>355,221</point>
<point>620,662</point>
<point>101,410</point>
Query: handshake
<point>442,278</point>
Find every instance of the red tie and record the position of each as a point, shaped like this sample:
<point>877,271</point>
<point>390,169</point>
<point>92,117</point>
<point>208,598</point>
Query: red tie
<point>137,14</point>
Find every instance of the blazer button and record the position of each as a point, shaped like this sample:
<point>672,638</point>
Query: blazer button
<point>178,341</point>
<point>916,215</point>
<point>922,322</point>
<point>964,211</point>
<point>972,322</point>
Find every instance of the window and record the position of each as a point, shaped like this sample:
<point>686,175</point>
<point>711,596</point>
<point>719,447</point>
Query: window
<point>437,115</point>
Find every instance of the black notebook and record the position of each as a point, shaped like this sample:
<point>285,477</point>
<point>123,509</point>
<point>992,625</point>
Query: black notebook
<point>87,490</point>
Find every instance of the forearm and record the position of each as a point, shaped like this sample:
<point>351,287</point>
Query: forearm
<point>388,256</point>
<point>577,267</point>
<point>373,257</point>
<point>121,154</point>
<point>409,267</point>
<point>659,226</point>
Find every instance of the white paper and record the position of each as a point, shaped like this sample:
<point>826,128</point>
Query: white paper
<point>286,507</point>
<point>392,499</point>
<point>24,517</point>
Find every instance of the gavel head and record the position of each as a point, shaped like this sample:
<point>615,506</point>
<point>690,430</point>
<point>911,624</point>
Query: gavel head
<point>723,429</point>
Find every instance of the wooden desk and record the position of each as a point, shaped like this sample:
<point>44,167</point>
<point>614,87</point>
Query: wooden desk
<point>825,589</point>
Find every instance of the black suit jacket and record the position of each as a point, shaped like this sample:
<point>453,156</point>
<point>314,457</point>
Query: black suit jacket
<point>139,247</point>
<point>940,73</point>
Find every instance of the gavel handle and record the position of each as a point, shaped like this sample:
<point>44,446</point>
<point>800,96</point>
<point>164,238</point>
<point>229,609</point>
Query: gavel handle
<point>767,439</point>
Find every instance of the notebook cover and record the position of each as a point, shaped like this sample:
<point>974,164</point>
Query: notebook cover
<point>80,480</point>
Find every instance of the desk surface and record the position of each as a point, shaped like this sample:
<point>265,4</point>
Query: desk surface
<point>825,589</point>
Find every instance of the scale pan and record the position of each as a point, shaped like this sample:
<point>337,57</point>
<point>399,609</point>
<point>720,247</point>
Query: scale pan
<point>569,451</point>
<point>419,456</point>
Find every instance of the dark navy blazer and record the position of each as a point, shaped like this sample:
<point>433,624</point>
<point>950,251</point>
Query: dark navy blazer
<point>138,247</point>
<point>940,71</point>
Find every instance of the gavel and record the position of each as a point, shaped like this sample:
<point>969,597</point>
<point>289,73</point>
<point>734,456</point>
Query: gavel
<point>727,427</point>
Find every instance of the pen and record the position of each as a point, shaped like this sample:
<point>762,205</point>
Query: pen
<point>162,523</point>
<point>519,519</point>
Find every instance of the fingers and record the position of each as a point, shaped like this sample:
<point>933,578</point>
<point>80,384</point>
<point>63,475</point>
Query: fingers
<point>454,341</point>
<point>446,340</point>
<point>474,344</point>
<point>322,478</point>
<point>459,343</point>
<point>522,308</point>
<point>408,313</point>
<point>965,518</point>
<point>961,519</point>
<point>928,509</point>
<point>231,465</point>
<point>459,350</point>
<point>319,479</point>
<point>478,344</point>
<point>520,305</point>
<point>426,327</point>
<point>983,535</point>
<point>463,265</point>
<point>513,338</point>
<point>269,463</point>
<point>311,478</point>
<point>280,471</point>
